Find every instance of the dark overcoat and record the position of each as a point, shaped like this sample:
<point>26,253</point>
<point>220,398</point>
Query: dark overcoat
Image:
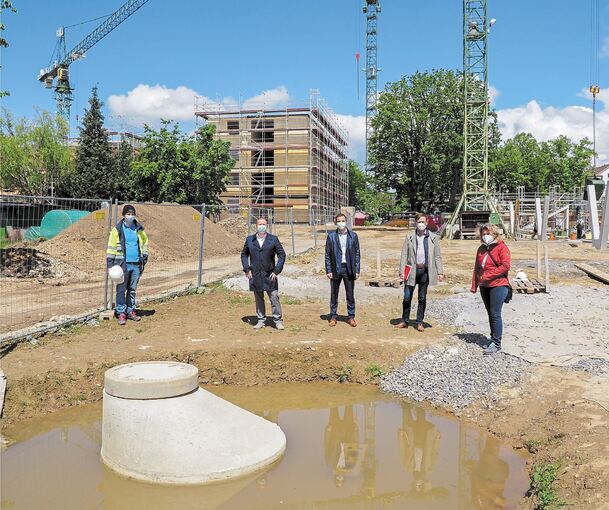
<point>260,260</point>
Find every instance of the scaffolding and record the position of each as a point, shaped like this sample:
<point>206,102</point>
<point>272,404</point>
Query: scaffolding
<point>291,160</point>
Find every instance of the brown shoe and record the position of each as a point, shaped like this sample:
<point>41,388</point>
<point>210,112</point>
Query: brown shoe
<point>420,327</point>
<point>332,322</point>
<point>401,325</point>
<point>352,323</point>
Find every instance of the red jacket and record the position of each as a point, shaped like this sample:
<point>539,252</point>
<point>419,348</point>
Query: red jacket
<point>496,268</point>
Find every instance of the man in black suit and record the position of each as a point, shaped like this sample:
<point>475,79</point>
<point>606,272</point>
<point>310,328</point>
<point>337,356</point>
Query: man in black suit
<point>258,261</point>
<point>342,264</point>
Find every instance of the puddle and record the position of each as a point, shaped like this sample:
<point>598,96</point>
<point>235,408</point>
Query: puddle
<point>348,447</point>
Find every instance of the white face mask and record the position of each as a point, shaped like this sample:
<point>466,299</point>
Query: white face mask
<point>342,225</point>
<point>421,225</point>
<point>488,239</point>
<point>262,229</point>
<point>129,219</point>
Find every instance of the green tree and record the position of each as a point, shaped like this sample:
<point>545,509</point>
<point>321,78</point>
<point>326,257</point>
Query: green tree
<point>568,162</point>
<point>523,161</point>
<point>4,5</point>
<point>92,176</point>
<point>120,179</point>
<point>417,144</point>
<point>33,154</point>
<point>174,167</point>
<point>376,203</point>
<point>357,183</point>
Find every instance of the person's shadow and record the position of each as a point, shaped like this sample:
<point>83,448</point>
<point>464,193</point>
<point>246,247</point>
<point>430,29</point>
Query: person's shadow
<point>146,313</point>
<point>411,323</point>
<point>473,338</point>
<point>339,318</point>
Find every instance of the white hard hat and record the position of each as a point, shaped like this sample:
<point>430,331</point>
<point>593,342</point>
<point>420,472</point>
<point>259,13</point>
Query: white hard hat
<point>521,275</point>
<point>116,274</point>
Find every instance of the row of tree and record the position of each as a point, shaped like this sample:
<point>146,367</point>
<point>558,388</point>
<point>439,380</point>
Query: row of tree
<point>171,166</point>
<point>416,148</point>
<point>416,155</point>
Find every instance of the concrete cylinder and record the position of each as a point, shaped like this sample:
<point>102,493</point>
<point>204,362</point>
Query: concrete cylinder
<point>159,426</point>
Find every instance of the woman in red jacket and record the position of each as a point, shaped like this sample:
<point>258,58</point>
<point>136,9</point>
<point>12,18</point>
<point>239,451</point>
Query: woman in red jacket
<point>491,276</point>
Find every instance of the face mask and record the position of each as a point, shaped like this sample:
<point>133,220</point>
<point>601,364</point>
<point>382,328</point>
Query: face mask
<point>421,226</point>
<point>129,219</point>
<point>342,225</point>
<point>487,239</point>
<point>262,229</point>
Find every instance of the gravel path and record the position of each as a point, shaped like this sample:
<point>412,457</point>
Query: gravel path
<point>454,375</point>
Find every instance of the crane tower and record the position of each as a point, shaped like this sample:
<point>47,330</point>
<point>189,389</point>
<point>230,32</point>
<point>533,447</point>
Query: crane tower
<point>371,9</point>
<point>475,195</point>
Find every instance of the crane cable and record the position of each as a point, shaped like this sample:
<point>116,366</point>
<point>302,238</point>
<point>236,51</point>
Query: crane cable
<point>594,67</point>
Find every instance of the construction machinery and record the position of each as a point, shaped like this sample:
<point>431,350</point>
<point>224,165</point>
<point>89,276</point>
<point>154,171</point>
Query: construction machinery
<point>57,74</point>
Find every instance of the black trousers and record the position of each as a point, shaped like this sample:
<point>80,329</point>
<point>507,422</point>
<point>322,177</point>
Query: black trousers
<point>422,280</point>
<point>343,276</point>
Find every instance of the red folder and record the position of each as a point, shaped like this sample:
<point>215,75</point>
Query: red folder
<point>407,270</point>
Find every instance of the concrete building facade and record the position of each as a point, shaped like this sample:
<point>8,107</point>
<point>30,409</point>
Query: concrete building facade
<point>292,160</point>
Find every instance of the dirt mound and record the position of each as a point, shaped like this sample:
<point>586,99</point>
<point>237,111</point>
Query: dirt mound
<point>24,263</point>
<point>236,225</point>
<point>173,233</point>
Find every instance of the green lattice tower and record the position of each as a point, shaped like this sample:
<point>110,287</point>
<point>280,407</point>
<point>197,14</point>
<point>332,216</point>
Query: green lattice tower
<point>371,9</point>
<point>475,195</point>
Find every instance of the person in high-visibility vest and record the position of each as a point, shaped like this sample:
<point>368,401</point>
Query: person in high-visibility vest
<point>128,248</point>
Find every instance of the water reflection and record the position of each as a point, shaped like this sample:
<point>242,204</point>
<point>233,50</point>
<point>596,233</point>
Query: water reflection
<point>348,447</point>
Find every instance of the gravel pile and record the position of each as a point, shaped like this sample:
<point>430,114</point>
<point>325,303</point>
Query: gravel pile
<point>591,366</point>
<point>453,376</point>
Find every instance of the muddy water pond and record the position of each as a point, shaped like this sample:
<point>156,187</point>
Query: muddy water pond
<point>349,447</point>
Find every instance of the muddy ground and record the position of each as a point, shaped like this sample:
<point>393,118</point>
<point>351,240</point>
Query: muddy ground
<point>550,413</point>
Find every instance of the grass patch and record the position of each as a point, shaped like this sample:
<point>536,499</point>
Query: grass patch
<point>240,299</point>
<point>374,371</point>
<point>71,329</point>
<point>344,374</point>
<point>542,486</point>
<point>291,301</point>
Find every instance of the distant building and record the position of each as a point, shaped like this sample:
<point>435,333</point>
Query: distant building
<point>115,138</point>
<point>290,159</point>
<point>602,172</point>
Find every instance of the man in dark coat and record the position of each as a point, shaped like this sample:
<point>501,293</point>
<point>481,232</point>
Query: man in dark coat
<point>260,267</point>
<point>342,264</point>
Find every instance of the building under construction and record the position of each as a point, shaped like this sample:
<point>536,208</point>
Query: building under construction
<point>291,160</point>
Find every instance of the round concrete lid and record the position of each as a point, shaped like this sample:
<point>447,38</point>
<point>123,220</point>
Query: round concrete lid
<point>151,379</point>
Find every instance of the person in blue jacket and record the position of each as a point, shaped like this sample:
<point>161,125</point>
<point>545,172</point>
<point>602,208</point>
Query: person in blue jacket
<point>342,265</point>
<point>261,268</point>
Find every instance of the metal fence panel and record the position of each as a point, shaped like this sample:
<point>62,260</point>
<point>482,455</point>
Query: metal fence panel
<point>52,258</point>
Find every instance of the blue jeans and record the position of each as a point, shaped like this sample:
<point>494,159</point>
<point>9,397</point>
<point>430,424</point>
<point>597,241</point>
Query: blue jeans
<point>125,292</point>
<point>493,298</point>
<point>422,280</point>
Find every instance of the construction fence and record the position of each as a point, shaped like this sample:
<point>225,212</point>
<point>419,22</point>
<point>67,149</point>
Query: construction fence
<point>53,253</point>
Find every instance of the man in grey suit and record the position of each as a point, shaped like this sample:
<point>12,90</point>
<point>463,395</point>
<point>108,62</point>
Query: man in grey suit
<point>421,251</point>
<point>261,268</point>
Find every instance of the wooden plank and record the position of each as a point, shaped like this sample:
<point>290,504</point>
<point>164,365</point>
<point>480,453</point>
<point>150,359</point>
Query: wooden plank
<point>2,390</point>
<point>594,272</point>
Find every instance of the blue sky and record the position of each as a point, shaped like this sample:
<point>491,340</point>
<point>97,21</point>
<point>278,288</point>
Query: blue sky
<point>169,51</point>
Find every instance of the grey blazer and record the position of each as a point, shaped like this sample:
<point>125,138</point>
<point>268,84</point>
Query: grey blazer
<point>434,258</point>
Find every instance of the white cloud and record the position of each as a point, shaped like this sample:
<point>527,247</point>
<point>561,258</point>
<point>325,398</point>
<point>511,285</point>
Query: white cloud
<point>605,48</point>
<point>273,98</point>
<point>356,128</point>
<point>546,123</point>
<point>150,103</point>
<point>493,93</point>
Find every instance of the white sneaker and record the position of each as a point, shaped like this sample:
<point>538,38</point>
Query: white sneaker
<point>279,325</point>
<point>260,325</point>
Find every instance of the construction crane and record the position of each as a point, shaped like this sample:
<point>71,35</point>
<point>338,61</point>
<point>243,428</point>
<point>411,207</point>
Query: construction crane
<point>371,9</point>
<point>475,197</point>
<point>57,75</point>
<point>594,67</point>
